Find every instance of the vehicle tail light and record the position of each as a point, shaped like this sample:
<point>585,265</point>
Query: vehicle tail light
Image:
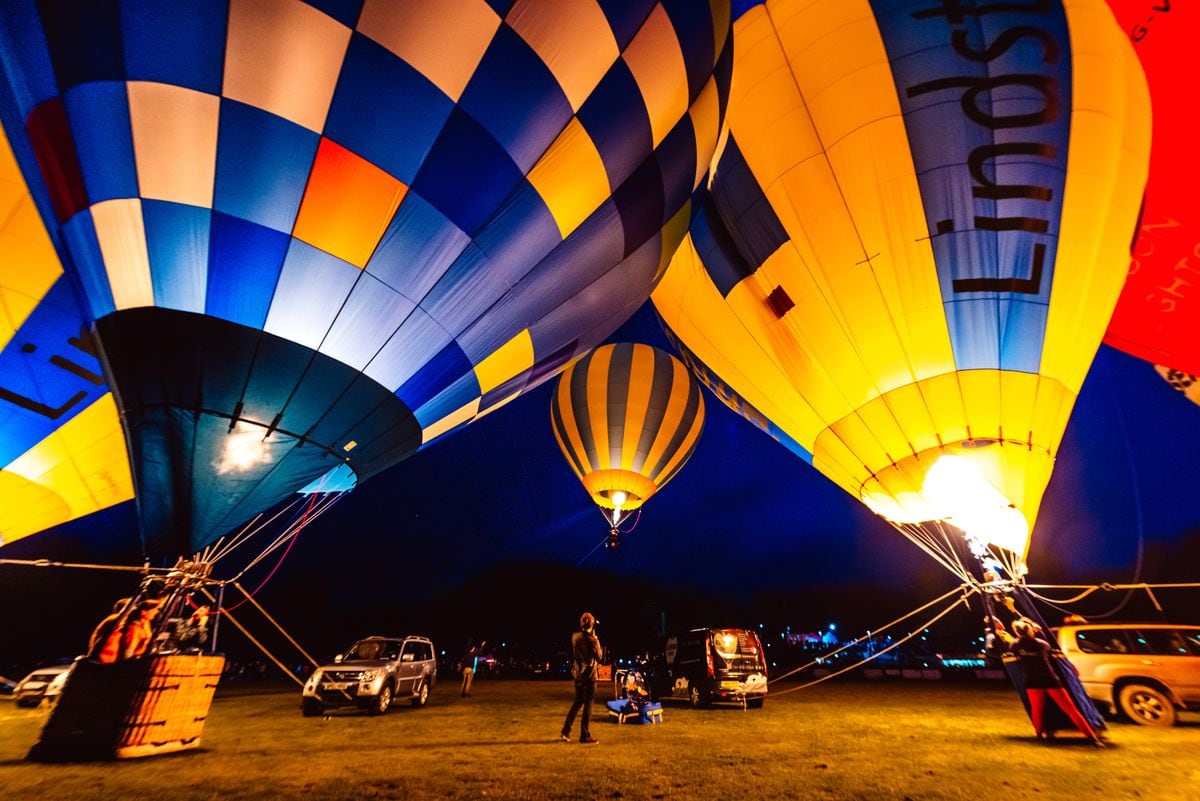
<point>762,656</point>
<point>708,657</point>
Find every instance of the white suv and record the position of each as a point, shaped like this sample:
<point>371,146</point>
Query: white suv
<point>1148,671</point>
<point>373,673</point>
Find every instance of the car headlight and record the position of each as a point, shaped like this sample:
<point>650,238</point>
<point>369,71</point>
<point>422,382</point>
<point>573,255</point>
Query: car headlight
<point>313,681</point>
<point>368,676</point>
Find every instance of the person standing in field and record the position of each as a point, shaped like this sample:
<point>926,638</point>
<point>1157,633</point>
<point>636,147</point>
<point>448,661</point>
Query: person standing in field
<point>585,662</point>
<point>469,660</point>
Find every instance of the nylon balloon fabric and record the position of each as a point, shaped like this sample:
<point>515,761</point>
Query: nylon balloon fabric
<point>918,227</point>
<point>1158,315</point>
<point>320,235</point>
<point>62,454</point>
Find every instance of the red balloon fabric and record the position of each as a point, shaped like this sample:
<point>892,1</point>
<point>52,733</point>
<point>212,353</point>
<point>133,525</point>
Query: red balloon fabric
<point>1158,315</point>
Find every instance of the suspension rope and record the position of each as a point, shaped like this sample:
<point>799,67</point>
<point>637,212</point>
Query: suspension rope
<point>84,566</point>
<point>292,530</point>
<point>897,644</point>
<point>250,637</point>
<point>589,553</point>
<point>884,628</point>
<point>245,537</point>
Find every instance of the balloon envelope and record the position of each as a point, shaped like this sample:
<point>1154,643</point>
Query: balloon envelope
<point>918,226</point>
<point>62,454</point>
<point>313,238</point>
<point>627,417</point>
<point>1158,315</point>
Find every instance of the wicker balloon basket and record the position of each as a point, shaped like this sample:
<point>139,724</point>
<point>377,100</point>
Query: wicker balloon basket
<point>141,707</point>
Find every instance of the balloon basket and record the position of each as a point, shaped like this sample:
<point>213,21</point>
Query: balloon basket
<point>124,710</point>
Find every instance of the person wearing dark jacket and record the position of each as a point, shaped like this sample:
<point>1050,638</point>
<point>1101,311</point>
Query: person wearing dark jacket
<point>1033,656</point>
<point>585,660</point>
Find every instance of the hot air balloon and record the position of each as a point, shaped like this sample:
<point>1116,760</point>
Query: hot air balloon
<point>918,227</point>
<point>62,454</point>
<point>1158,314</point>
<point>309,239</point>
<point>627,418</point>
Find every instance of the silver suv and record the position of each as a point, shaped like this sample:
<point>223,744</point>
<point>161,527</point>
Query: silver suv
<point>372,674</point>
<point>1149,671</point>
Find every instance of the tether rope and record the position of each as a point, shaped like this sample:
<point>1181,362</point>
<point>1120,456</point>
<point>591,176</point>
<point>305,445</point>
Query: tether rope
<point>84,566</point>
<point>896,644</point>
<point>884,628</point>
<point>250,637</point>
<point>274,622</point>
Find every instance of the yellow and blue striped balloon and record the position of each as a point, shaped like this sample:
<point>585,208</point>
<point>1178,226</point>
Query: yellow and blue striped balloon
<point>918,227</point>
<point>319,235</point>
<point>627,417</point>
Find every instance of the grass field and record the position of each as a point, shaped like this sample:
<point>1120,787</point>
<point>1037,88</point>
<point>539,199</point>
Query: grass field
<point>911,741</point>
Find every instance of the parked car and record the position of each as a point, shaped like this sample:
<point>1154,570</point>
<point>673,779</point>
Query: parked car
<point>43,684</point>
<point>372,674</point>
<point>1147,671</point>
<point>709,665</point>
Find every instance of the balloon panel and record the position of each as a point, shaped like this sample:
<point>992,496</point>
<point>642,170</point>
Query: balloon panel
<point>917,227</point>
<point>353,228</point>
<point>1158,315</point>
<point>627,417</point>
<point>62,455</point>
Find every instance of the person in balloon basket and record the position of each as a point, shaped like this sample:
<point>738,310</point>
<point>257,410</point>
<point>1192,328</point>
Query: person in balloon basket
<point>105,643</point>
<point>139,632</point>
<point>585,661</point>
<point>1033,656</point>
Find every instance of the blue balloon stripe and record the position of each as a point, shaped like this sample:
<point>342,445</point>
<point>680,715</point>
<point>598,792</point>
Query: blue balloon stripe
<point>516,99</point>
<point>182,44</point>
<point>98,114</point>
<point>263,163</point>
<point>177,241</point>
<point>243,266</point>
<point>386,111</point>
<point>986,97</point>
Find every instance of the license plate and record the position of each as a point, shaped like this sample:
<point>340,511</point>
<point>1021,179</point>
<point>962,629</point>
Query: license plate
<point>730,685</point>
<point>336,685</point>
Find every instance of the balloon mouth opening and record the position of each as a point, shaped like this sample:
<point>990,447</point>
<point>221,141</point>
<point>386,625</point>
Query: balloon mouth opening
<point>954,491</point>
<point>621,499</point>
<point>245,447</point>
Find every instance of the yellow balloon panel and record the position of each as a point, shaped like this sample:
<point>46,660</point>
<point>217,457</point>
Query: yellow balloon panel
<point>917,229</point>
<point>62,451</point>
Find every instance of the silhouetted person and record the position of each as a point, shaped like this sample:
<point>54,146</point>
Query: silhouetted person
<point>469,662</point>
<point>585,660</point>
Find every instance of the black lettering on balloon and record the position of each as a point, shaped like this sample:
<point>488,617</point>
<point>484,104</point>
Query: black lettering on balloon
<point>1022,286</point>
<point>979,107</point>
<point>958,40</point>
<point>989,189</point>
<point>52,412</point>
<point>956,13</point>
<point>84,343</point>
<point>977,85</point>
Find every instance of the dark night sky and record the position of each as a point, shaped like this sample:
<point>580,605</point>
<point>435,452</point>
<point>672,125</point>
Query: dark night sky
<point>484,532</point>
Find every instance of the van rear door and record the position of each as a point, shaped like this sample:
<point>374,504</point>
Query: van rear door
<point>738,653</point>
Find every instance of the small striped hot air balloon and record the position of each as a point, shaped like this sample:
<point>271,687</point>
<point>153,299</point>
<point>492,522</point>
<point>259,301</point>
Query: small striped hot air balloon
<point>627,417</point>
